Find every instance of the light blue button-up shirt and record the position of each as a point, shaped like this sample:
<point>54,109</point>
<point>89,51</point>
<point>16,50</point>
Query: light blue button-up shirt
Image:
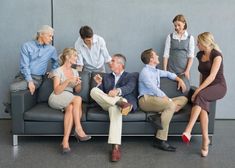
<point>95,57</point>
<point>34,59</point>
<point>149,81</point>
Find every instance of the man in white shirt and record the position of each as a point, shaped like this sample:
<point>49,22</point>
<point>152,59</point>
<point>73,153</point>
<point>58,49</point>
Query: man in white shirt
<point>92,51</point>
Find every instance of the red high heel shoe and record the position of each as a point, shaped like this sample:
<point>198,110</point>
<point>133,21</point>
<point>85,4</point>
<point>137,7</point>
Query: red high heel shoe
<point>186,137</point>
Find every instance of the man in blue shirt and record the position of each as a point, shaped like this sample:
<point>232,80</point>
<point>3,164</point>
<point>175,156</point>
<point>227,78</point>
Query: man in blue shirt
<point>92,51</point>
<point>34,58</point>
<point>153,99</point>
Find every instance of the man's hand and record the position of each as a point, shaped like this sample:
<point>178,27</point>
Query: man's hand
<point>98,79</point>
<point>31,87</point>
<point>181,85</point>
<point>113,93</point>
<point>50,74</point>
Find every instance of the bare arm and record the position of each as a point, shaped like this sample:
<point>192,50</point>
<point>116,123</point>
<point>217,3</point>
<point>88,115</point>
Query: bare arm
<point>165,62</point>
<point>59,87</point>
<point>214,70</point>
<point>188,67</point>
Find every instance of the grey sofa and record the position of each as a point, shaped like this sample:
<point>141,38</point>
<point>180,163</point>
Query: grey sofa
<point>31,115</point>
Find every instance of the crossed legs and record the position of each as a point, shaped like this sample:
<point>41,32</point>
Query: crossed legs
<point>196,112</point>
<point>73,114</point>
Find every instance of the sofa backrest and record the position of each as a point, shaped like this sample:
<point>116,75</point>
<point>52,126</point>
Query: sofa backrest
<point>47,87</point>
<point>85,91</point>
<point>169,87</point>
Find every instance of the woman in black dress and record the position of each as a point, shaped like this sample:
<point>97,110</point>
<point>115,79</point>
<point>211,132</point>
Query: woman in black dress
<point>212,87</point>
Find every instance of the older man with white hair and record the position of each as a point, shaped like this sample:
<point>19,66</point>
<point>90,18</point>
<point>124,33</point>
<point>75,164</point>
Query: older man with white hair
<point>35,55</point>
<point>34,58</point>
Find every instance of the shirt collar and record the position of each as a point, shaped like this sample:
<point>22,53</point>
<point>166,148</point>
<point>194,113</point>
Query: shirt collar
<point>175,35</point>
<point>119,74</point>
<point>150,67</point>
<point>94,38</point>
<point>38,44</point>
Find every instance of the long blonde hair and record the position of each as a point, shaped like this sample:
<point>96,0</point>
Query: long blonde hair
<point>67,53</point>
<point>207,40</point>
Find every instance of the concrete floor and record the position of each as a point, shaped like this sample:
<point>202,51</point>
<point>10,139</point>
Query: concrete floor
<point>137,152</point>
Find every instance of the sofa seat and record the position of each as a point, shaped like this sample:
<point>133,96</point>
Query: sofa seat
<point>98,114</point>
<point>42,112</point>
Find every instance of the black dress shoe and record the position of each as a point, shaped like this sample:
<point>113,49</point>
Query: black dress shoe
<point>163,145</point>
<point>156,121</point>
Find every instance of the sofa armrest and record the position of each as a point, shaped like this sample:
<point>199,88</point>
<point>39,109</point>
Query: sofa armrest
<point>21,101</point>
<point>212,117</point>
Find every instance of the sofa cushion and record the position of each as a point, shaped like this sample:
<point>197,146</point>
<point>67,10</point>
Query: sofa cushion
<point>42,112</point>
<point>45,90</point>
<point>98,114</point>
<point>47,87</point>
<point>169,87</point>
<point>85,91</point>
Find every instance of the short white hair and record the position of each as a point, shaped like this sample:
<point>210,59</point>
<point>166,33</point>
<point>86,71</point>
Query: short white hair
<point>45,29</point>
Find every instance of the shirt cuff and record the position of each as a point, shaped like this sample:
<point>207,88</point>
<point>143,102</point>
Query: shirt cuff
<point>119,91</point>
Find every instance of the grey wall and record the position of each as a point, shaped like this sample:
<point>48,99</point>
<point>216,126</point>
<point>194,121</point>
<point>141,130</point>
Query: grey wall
<point>128,26</point>
<point>19,21</point>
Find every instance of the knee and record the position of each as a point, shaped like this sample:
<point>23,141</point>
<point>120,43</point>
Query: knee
<point>93,92</point>
<point>69,108</point>
<point>172,106</point>
<point>77,100</point>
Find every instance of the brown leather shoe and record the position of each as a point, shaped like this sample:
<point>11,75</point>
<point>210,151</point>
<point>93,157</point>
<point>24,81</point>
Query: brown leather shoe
<point>125,107</point>
<point>116,154</point>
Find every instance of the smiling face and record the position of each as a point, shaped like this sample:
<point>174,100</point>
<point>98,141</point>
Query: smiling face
<point>154,60</point>
<point>179,27</point>
<point>73,58</point>
<point>116,65</point>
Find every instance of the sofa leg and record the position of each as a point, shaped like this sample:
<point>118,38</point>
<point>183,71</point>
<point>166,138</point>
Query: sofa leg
<point>15,140</point>
<point>210,137</point>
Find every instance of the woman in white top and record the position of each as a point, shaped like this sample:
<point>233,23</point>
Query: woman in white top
<point>179,49</point>
<point>65,81</point>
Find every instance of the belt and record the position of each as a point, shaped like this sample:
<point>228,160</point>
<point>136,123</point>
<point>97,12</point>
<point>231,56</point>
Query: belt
<point>141,96</point>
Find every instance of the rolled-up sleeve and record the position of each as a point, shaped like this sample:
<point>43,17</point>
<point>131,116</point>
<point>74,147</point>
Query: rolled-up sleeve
<point>104,50</point>
<point>167,47</point>
<point>191,47</point>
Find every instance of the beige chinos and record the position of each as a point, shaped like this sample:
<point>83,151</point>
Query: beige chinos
<point>166,108</point>
<point>109,104</point>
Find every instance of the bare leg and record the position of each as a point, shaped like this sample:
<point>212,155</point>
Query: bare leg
<point>196,110</point>
<point>68,123</point>
<point>204,127</point>
<point>77,112</point>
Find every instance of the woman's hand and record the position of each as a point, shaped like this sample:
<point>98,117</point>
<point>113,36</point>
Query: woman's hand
<point>194,95</point>
<point>75,81</point>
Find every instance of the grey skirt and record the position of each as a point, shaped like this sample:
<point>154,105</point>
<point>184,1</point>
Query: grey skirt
<point>61,100</point>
